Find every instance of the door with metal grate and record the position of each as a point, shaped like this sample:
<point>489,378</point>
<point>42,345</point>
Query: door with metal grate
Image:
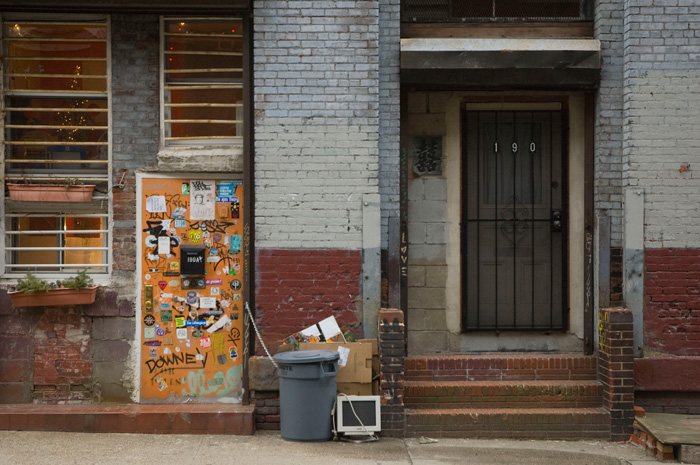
<point>513,221</point>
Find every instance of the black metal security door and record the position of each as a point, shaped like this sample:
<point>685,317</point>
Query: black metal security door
<point>513,221</point>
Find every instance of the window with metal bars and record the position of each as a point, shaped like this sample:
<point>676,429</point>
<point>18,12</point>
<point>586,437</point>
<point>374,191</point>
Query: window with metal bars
<point>55,136</point>
<point>430,11</point>
<point>202,81</point>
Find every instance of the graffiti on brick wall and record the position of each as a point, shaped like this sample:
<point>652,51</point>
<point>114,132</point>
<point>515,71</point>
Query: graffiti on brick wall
<point>603,331</point>
<point>392,381</point>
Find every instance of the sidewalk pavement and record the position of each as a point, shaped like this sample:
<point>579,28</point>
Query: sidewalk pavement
<point>268,448</point>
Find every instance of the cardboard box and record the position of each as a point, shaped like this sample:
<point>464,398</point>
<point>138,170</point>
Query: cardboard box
<point>375,367</point>
<point>355,389</point>
<point>359,365</point>
<point>375,357</point>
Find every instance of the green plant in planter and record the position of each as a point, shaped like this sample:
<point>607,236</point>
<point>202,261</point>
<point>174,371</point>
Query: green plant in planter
<point>70,182</point>
<point>31,284</point>
<point>79,281</point>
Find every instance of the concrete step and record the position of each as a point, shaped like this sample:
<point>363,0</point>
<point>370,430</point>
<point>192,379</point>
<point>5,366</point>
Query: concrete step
<point>502,394</point>
<point>501,367</point>
<point>536,423</point>
<point>130,418</point>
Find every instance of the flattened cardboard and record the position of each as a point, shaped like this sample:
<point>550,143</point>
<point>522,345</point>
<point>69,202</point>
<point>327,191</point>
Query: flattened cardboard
<point>375,358</point>
<point>355,389</point>
<point>359,366</point>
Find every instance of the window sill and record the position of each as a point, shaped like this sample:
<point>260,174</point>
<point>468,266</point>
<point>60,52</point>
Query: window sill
<point>202,159</point>
<point>101,280</point>
<point>98,203</point>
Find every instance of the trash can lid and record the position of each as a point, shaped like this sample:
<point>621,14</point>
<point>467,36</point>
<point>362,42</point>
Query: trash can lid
<point>306,356</point>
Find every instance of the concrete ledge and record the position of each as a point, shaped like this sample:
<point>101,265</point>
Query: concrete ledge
<point>563,63</point>
<point>262,374</point>
<point>216,159</point>
<point>667,374</point>
<point>130,418</point>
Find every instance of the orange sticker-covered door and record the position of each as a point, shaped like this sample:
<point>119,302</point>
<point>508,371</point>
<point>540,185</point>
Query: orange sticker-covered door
<point>191,289</point>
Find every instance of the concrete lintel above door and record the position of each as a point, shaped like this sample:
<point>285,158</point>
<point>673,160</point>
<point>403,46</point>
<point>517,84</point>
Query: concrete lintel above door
<point>523,63</point>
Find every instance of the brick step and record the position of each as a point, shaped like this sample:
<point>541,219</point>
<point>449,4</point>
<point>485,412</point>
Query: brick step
<point>537,423</point>
<point>130,418</point>
<point>501,367</point>
<point>502,394</point>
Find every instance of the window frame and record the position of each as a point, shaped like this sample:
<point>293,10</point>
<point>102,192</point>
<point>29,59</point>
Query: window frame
<point>198,143</point>
<point>59,211</point>
<point>445,16</point>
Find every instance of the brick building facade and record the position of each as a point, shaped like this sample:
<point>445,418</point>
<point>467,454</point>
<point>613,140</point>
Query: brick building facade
<point>344,104</point>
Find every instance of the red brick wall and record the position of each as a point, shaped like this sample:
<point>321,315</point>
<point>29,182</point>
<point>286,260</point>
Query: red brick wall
<point>16,352</point>
<point>616,369</point>
<point>62,365</point>
<point>267,409</point>
<point>672,301</point>
<point>682,403</point>
<point>297,288</point>
<point>124,239</point>
<point>392,368</point>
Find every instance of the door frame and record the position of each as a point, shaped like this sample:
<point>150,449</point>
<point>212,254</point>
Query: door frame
<point>248,283</point>
<point>577,110</point>
<point>558,261</point>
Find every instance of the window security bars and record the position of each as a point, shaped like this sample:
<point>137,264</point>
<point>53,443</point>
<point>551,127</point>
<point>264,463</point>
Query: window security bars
<point>202,81</point>
<point>55,130</point>
<point>446,11</point>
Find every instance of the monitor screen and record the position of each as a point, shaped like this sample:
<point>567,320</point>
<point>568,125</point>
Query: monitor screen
<point>356,411</point>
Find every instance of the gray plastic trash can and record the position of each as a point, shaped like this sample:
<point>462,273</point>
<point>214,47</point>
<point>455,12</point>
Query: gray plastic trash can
<point>307,394</point>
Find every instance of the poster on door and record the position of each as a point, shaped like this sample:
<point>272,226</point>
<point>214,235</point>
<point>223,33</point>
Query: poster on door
<point>191,289</point>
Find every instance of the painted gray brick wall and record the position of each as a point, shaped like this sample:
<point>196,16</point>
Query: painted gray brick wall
<point>389,109</point>
<point>135,90</point>
<point>608,28</point>
<point>135,118</point>
<point>316,77</point>
<point>662,117</point>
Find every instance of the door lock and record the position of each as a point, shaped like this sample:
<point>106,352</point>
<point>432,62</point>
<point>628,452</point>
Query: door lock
<point>556,221</point>
<point>148,298</point>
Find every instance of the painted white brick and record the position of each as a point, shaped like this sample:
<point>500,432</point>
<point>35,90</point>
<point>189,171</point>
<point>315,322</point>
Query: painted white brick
<point>662,119</point>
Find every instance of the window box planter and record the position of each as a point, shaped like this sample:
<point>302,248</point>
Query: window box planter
<point>50,192</point>
<point>54,297</point>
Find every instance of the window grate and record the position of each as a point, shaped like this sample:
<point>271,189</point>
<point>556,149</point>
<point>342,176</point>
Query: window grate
<point>55,130</point>
<point>202,80</point>
<point>431,11</point>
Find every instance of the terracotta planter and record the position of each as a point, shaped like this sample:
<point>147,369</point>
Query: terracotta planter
<point>54,297</point>
<point>50,192</point>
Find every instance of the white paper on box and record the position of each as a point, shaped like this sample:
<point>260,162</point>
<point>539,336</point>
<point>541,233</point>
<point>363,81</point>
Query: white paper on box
<point>329,328</point>
<point>311,331</point>
<point>344,353</point>
<point>156,204</point>
<point>218,325</point>
<point>163,245</point>
<point>202,206</point>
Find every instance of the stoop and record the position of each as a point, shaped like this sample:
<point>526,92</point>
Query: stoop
<point>514,395</point>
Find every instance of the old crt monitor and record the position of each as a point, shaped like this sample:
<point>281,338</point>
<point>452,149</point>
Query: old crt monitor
<point>366,409</point>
